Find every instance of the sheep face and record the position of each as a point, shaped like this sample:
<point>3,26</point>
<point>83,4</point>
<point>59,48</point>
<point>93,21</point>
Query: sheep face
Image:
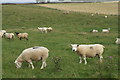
<point>18,64</point>
<point>74,47</point>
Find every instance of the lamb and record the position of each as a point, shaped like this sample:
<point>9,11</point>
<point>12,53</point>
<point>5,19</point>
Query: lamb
<point>88,51</point>
<point>9,35</point>
<point>117,41</point>
<point>36,53</point>
<point>94,31</point>
<point>22,35</point>
<point>106,30</point>
<point>43,29</point>
<point>49,29</point>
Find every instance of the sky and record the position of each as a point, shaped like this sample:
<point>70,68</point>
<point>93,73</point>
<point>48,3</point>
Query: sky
<point>17,1</point>
<point>33,1</point>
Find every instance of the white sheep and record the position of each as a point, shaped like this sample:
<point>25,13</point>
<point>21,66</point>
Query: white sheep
<point>88,51</point>
<point>94,31</point>
<point>117,41</point>
<point>105,16</point>
<point>34,53</point>
<point>22,35</point>
<point>49,29</point>
<point>9,35</point>
<point>92,14</point>
<point>106,30</point>
<point>43,29</point>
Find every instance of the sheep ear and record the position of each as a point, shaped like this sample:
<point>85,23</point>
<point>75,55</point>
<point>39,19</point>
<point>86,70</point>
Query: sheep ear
<point>77,45</point>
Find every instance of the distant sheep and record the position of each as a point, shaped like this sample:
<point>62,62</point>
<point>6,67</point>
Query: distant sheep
<point>92,14</point>
<point>88,51</point>
<point>42,29</point>
<point>106,30</point>
<point>22,35</point>
<point>9,35</point>
<point>105,16</point>
<point>94,31</point>
<point>34,53</point>
<point>117,41</point>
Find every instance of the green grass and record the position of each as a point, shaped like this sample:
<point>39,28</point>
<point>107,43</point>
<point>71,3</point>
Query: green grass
<point>67,29</point>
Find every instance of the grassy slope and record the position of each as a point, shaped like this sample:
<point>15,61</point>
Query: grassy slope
<point>67,29</point>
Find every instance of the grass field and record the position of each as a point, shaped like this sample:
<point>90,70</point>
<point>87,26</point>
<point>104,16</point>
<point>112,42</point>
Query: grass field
<point>67,29</point>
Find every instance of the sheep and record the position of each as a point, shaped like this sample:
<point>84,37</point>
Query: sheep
<point>105,16</point>
<point>22,35</point>
<point>88,51</point>
<point>9,35</point>
<point>94,31</point>
<point>117,41</point>
<point>43,29</point>
<point>92,14</point>
<point>36,53</point>
<point>106,30</point>
<point>49,29</point>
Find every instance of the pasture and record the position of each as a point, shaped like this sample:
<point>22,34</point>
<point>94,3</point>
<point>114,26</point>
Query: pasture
<point>68,29</point>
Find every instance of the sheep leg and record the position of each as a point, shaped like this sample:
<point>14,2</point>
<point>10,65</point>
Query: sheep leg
<point>43,65</point>
<point>101,59</point>
<point>80,59</point>
<point>30,62</point>
<point>20,38</point>
<point>85,59</point>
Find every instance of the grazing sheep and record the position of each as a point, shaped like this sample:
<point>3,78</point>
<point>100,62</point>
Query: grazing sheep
<point>105,16</point>
<point>106,30</point>
<point>9,35</point>
<point>34,53</point>
<point>117,41</point>
<point>42,29</point>
<point>22,35</point>
<point>49,29</point>
<point>88,51</point>
<point>94,31</point>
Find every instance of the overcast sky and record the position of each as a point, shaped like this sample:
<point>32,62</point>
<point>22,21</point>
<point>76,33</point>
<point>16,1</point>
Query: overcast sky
<point>17,1</point>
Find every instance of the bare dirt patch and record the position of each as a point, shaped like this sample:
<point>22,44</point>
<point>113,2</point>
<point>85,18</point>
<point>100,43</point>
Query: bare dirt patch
<point>100,8</point>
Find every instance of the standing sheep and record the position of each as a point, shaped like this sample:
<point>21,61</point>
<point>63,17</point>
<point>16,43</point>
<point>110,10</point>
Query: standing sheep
<point>94,30</point>
<point>22,35</point>
<point>34,53</point>
<point>117,41</point>
<point>106,30</point>
<point>42,29</point>
<point>9,35</point>
<point>88,51</point>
